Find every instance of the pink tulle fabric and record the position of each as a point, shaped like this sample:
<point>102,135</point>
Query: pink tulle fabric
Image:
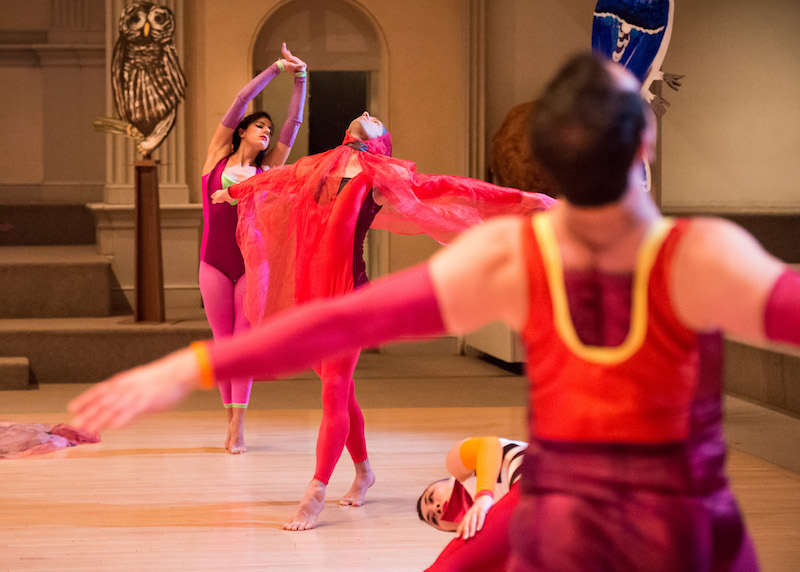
<point>26,439</point>
<point>296,230</point>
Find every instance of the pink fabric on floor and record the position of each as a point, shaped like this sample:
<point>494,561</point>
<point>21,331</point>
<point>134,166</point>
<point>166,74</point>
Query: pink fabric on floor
<point>25,439</point>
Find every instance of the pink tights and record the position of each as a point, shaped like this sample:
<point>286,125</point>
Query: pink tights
<point>223,300</point>
<point>342,420</point>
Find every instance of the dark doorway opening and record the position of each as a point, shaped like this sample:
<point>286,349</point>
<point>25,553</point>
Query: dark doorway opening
<point>335,99</point>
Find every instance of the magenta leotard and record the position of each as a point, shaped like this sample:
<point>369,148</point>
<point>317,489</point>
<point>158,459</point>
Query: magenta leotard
<point>218,247</point>
<point>369,208</point>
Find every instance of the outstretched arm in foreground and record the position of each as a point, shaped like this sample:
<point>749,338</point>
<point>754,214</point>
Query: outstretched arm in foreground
<point>723,279</point>
<point>424,301</point>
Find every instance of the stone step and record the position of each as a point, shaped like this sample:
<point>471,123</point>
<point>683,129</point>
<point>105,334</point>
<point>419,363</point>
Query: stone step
<point>15,373</point>
<point>85,350</point>
<point>45,225</point>
<point>54,282</point>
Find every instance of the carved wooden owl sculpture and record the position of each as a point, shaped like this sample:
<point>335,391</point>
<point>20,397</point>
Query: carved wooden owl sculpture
<point>146,77</point>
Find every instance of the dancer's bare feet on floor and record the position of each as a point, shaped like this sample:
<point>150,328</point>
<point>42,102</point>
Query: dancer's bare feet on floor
<point>234,443</point>
<point>357,494</point>
<point>308,512</point>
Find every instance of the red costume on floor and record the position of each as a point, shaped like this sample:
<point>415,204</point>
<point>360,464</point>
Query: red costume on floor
<point>297,232</point>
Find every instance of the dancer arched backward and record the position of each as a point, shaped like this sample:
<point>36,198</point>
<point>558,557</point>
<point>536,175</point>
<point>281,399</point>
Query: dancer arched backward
<point>301,231</point>
<point>477,501</point>
<point>238,150</point>
<point>626,431</point>
<point>321,207</point>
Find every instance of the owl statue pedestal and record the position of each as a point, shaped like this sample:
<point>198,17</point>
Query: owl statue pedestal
<point>149,268</point>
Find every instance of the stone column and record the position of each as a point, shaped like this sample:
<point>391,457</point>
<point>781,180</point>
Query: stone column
<point>477,89</point>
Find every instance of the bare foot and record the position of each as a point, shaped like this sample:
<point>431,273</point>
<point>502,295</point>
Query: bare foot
<point>308,512</point>
<point>357,494</point>
<point>234,444</point>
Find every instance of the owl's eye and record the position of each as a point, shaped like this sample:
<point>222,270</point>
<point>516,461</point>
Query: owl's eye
<point>159,18</point>
<point>136,20</point>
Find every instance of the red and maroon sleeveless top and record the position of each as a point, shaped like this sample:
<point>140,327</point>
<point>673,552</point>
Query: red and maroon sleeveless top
<point>638,390</point>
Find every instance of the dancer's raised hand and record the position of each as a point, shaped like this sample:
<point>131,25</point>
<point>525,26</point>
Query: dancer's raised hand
<point>291,63</point>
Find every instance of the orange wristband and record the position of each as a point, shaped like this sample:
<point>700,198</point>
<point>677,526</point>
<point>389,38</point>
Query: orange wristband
<point>206,373</point>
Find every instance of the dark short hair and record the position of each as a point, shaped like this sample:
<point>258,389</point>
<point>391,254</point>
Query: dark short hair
<point>419,506</point>
<point>246,121</point>
<point>586,131</point>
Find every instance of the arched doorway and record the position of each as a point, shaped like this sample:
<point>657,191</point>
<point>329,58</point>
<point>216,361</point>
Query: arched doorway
<point>346,59</point>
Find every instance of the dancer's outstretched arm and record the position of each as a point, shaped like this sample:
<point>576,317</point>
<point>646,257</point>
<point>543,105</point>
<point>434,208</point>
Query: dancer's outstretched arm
<point>479,279</point>
<point>403,305</point>
<point>723,279</point>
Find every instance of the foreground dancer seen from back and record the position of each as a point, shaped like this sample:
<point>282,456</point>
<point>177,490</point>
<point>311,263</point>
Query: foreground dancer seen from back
<point>301,231</point>
<point>238,150</point>
<point>626,431</point>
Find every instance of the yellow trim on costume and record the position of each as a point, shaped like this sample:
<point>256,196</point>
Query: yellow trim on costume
<point>484,456</point>
<point>551,255</point>
<point>206,372</point>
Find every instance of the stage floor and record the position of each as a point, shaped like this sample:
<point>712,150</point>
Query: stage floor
<point>162,494</point>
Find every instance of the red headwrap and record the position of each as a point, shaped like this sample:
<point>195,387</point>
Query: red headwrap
<point>458,504</point>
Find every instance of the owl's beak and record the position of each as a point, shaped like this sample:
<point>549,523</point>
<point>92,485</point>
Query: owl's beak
<point>146,29</point>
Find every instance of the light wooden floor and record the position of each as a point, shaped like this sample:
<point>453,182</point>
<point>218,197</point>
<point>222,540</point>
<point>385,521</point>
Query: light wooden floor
<point>163,495</point>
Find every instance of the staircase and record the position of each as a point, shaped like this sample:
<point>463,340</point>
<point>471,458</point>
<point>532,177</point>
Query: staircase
<point>56,323</point>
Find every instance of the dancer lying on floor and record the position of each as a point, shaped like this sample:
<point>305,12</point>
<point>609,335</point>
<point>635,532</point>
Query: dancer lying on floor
<point>476,502</point>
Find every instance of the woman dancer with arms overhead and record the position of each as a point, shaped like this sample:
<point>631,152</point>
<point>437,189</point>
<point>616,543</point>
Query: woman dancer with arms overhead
<point>238,150</point>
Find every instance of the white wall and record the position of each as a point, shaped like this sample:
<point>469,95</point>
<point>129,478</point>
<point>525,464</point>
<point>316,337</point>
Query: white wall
<point>732,136</point>
<point>51,88</point>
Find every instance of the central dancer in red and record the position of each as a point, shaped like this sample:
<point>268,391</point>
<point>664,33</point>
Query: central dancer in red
<point>301,232</point>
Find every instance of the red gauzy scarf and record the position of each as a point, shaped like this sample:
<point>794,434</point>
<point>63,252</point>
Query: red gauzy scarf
<point>296,229</point>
